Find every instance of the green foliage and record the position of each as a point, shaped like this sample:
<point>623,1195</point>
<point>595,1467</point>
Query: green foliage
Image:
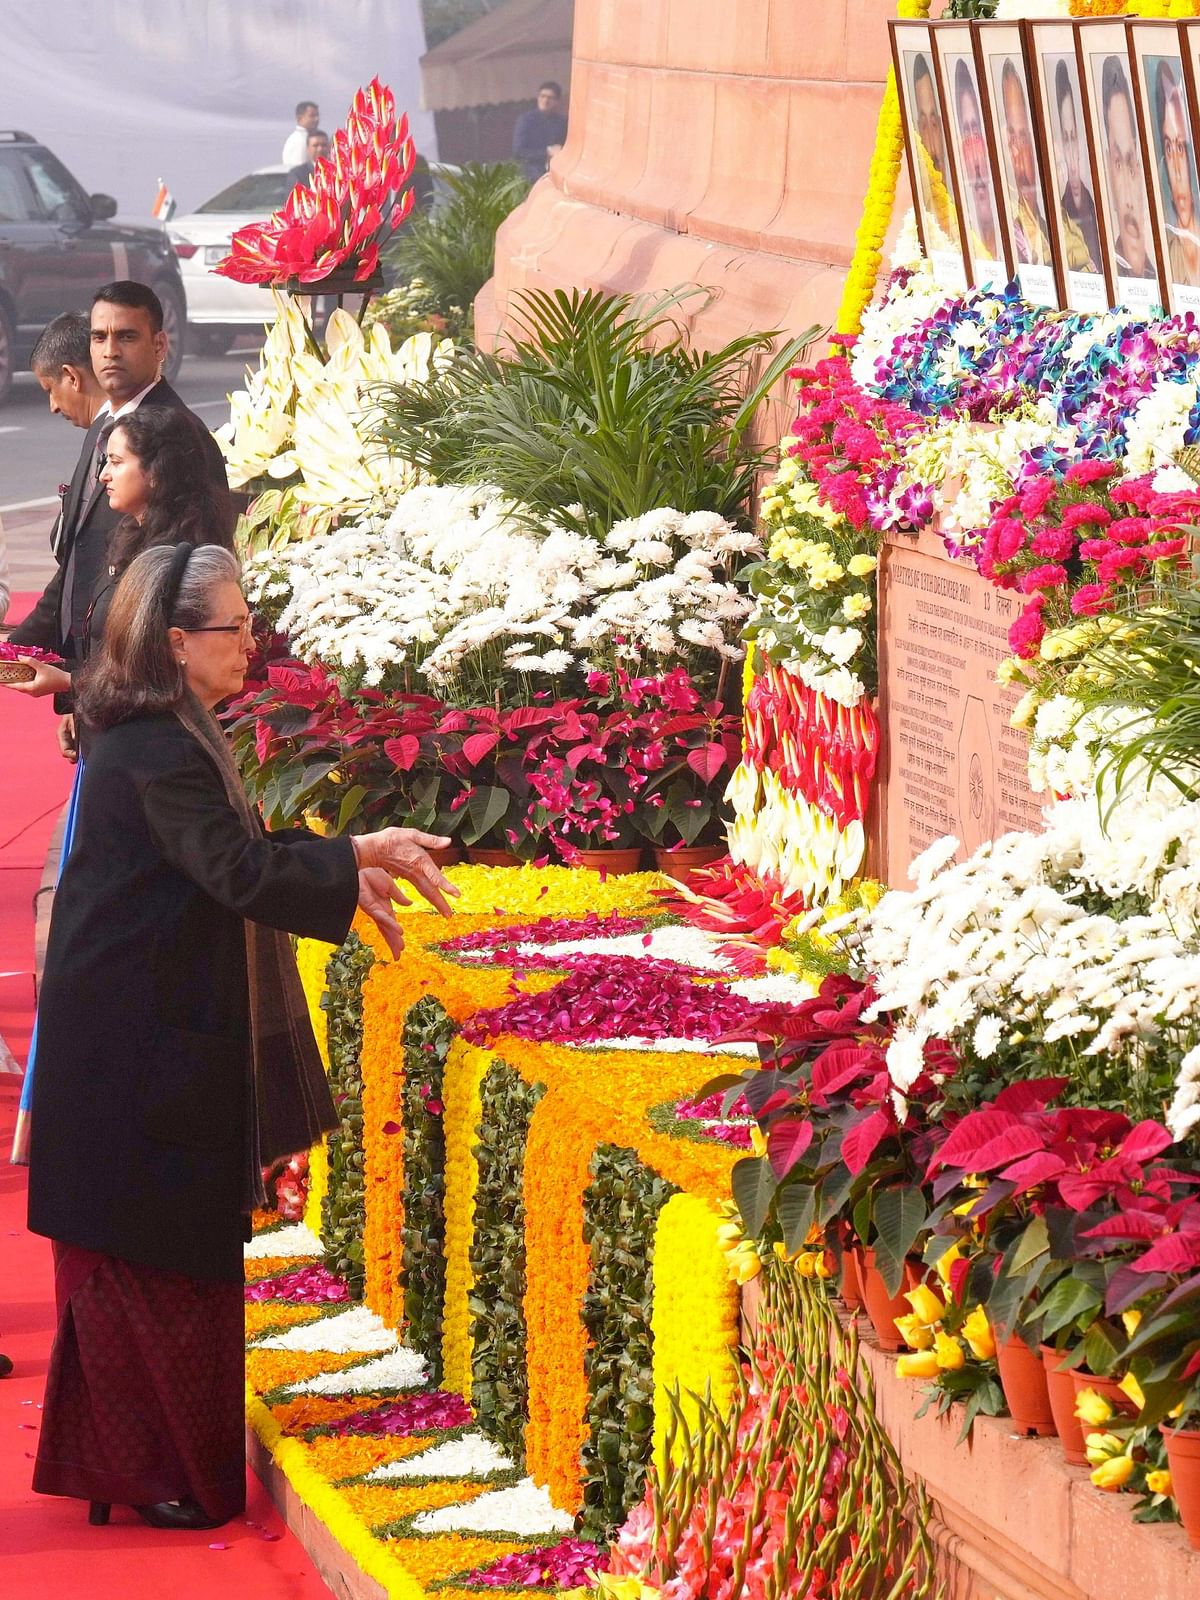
<point>620,1208</point>
<point>343,1214</point>
<point>598,411</point>
<point>450,250</point>
<point>1146,678</point>
<point>444,18</point>
<point>499,1385</point>
<point>428,1034</point>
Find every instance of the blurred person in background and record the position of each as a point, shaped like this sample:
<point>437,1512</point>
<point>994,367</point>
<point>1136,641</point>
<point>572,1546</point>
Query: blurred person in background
<point>295,146</point>
<point>316,150</point>
<point>540,132</point>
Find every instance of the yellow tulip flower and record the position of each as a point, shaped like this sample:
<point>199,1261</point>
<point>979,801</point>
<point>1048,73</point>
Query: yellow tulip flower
<point>914,1332</point>
<point>1092,1408</point>
<point>1158,1482</point>
<point>1114,1473</point>
<point>1130,1386</point>
<point>1103,1446</point>
<point>977,1331</point>
<point>949,1351</point>
<point>924,1364</point>
<point>926,1305</point>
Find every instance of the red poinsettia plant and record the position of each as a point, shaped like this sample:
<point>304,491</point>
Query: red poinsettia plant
<point>840,1143</point>
<point>355,197</point>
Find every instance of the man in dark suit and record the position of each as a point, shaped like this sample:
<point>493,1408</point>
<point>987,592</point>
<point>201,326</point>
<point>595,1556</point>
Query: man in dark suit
<point>317,149</point>
<point>128,347</point>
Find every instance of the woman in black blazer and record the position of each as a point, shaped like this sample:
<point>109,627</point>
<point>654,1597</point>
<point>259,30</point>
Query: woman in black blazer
<point>175,1056</point>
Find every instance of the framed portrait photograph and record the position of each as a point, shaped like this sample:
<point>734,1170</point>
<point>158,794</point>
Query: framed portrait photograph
<point>1071,172</point>
<point>1012,128</point>
<point>1169,151</point>
<point>930,167</point>
<point>1110,108</point>
<point>973,159</point>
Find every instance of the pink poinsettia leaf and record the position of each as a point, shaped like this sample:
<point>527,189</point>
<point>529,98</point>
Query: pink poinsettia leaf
<point>787,1142</point>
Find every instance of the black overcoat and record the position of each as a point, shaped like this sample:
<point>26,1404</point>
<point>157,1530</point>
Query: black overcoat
<point>138,1139</point>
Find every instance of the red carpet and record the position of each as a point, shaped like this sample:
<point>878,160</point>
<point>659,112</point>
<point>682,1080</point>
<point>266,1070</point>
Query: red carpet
<point>47,1549</point>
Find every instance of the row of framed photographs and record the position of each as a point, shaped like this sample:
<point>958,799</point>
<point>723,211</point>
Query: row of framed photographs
<point>1059,153</point>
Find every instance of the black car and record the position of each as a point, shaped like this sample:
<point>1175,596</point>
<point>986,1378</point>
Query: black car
<point>58,244</point>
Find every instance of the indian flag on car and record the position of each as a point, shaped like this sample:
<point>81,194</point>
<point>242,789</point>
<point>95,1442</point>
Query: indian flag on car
<point>163,208</point>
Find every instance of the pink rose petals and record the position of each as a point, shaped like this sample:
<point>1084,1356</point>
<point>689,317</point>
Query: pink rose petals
<point>306,1286</point>
<point>416,1413</point>
<point>618,997</point>
<point>548,930</point>
<point>558,1566</point>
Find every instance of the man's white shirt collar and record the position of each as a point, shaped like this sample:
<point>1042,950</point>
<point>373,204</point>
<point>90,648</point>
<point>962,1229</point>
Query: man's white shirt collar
<point>106,409</point>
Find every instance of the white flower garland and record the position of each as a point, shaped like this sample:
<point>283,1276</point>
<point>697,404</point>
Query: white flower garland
<point>471,1456</point>
<point>294,1240</point>
<point>357,1329</point>
<point>525,1509</point>
<point>397,1369</point>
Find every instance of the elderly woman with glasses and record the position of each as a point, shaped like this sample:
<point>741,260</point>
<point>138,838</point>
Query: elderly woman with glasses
<point>176,1057</point>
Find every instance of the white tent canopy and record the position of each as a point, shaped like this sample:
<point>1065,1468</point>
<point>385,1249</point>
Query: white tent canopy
<point>197,92</point>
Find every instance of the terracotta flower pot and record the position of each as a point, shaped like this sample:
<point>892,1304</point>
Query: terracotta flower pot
<point>1109,1388</point>
<point>492,858</point>
<point>1060,1386</point>
<point>680,864</point>
<point>610,863</point>
<point>1023,1379</point>
<point>850,1287</point>
<point>883,1308</point>
<point>449,855</point>
<point>1183,1458</point>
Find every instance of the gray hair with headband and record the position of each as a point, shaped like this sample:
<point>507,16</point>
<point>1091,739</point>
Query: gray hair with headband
<point>137,672</point>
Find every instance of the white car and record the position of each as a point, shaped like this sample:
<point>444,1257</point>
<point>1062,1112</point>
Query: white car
<point>217,307</point>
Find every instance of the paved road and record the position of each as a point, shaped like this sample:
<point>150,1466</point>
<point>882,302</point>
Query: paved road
<point>38,452</point>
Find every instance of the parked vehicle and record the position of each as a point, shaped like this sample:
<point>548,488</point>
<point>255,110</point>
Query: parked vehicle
<point>219,308</point>
<point>58,244</point>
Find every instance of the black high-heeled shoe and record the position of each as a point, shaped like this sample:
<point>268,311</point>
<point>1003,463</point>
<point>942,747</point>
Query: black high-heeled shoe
<point>177,1514</point>
<point>98,1513</point>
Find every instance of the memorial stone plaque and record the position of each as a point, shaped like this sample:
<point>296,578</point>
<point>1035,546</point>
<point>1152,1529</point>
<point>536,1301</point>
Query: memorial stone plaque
<point>950,761</point>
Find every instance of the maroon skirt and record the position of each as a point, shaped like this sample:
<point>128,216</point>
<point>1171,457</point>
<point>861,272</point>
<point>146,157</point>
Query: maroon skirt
<point>145,1398</point>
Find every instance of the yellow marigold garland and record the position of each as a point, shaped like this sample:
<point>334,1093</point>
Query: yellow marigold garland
<point>329,1505</point>
<point>312,957</point>
<point>592,1097</point>
<point>695,1316</point>
<point>466,1067</point>
<point>385,1005</point>
<point>884,172</point>
<point>262,1315</point>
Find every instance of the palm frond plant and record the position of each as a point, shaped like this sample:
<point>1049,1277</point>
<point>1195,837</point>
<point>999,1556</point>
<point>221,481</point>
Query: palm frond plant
<point>1147,682</point>
<point>450,250</point>
<point>597,410</point>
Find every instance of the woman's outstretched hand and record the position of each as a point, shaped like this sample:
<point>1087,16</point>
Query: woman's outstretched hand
<point>47,679</point>
<point>375,891</point>
<point>399,853</point>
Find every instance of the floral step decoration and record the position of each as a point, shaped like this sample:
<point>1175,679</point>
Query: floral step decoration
<point>395,1468</point>
<point>488,1159</point>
